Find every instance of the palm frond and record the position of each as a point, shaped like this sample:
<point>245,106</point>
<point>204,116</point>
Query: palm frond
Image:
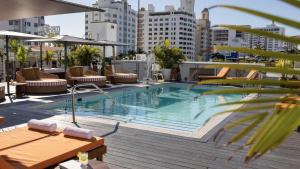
<point>294,3</point>
<point>247,109</point>
<point>287,71</point>
<point>243,81</point>
<point>282,20</point>
<point>249,91</point>
<point>258,32</point>
<point>270,54</point>
<point>253,101</point>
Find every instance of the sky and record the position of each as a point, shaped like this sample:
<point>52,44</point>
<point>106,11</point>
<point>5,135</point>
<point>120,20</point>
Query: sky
<point>73,24</point>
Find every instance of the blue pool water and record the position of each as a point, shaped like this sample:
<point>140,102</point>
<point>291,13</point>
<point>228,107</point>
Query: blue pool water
<point>171,106</point>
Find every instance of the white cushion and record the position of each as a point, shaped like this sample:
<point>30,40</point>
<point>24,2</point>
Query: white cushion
<point>90,78</point>
<point>125,75</point>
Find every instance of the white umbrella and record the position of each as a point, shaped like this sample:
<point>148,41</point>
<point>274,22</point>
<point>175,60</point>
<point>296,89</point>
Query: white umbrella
<point>19,9</point>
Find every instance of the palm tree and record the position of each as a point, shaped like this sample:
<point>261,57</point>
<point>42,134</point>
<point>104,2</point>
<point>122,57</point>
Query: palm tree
<point>268,125</point>
<point>49,56</point>
<point>22,56</point>
<point>85,55</point>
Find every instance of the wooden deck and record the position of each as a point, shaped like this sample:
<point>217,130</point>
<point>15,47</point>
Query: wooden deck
<point>138,149</point>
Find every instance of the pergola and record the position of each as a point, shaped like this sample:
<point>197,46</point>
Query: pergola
<point>20,9</point>
<point>7,35</point>
<point>66,40</point>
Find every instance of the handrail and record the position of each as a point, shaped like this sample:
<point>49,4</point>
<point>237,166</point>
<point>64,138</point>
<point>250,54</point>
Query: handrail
<point>85,85</point>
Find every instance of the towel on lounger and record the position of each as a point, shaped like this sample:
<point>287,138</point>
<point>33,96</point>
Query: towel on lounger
<point>42,125</point>
<point>78,132</point>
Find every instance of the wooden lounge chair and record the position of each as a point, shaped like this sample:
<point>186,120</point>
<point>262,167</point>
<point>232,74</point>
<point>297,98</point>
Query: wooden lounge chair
<point>38,82</point>
<point>221,75</point>
<point>115,77</point>
<point>44,150</point>
<point>2,93</point>
<point>251,75</point>
<point>77,75</point>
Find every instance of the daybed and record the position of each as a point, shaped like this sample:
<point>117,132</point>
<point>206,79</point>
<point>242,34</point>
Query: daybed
<point>43,150</point>
<point>77,75</point>
<point>119,77</point>
<point>38,82</point>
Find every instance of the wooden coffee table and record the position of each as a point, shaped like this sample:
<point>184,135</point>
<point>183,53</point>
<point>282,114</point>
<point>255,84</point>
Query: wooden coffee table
<point>20,89</point>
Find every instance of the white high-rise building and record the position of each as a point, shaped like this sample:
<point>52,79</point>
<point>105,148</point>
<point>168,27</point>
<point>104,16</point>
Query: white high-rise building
<point>49,30</point>
<point>116,12</point>
<point>176,25</point>
<point>31,25</point>
<point>270,44</point>
<point>187,5</point>
<point>228,37</point>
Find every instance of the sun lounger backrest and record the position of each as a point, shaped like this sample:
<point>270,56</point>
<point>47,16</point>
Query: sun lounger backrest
<point>252,74</point>
<point>223,72</point>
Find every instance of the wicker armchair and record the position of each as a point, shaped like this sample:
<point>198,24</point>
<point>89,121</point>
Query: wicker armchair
<point>77,75</point>
<point>39,82</point>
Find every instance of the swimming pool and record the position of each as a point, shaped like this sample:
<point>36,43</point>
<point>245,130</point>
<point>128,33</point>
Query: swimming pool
<point>171,106</point>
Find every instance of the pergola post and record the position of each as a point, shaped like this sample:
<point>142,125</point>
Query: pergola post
<point>41,55</point>
<point>66,56</point>
<point>8,77</point>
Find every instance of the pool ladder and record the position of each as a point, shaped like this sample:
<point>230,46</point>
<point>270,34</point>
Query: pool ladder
<point>74,90</point>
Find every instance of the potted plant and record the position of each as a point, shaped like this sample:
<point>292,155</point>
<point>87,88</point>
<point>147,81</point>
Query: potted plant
<point>168,57</point>
<point>22,56</point>
<point>49,57</point>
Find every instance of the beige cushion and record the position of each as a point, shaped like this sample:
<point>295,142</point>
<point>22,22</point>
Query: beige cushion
<point>125,75</point>
<point>76,71</point>
<point>31,73</point>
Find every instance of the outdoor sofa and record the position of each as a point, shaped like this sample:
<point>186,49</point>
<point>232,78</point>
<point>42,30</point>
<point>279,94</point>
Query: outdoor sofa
<point>38,82</point>
<point>119,77</point>
<point>78,75</point>
<point>44,149</point>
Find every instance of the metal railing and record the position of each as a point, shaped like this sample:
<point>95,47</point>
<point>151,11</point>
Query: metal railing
<point>74,89</point>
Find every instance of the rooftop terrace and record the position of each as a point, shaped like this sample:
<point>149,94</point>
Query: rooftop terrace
<point>136,149</point>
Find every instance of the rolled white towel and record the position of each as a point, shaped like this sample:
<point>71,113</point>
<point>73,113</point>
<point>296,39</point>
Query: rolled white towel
<point>78,132</point>
<point>42,125</point>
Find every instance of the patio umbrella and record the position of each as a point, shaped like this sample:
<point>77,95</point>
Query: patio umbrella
<point>20,9</point>
<point>13,35</point>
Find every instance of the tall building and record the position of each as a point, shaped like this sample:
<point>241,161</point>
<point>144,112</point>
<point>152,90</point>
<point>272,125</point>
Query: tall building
<point>30,25</point>
<point>270,44</point>
<point>228,37</point>
<point>48,30</point>
<point>116,12</point>
<point>187,5</point>
<point>176,25</point>
<point>203,35</point>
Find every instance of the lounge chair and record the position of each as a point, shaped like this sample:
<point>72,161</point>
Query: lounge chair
<point>115,77</point>
<point>77,75</point>
<point>44,150</point>
<point>2,93</point>
<point>221,75</point>
<point>251,75</point>
<point>39,82</point>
